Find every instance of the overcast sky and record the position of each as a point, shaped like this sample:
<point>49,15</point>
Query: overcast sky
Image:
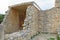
<point>43,4</point>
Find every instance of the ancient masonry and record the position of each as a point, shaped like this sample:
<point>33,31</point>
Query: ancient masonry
<point>27,21</point>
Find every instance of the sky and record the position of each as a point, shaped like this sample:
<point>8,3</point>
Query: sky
<point>43,4</point>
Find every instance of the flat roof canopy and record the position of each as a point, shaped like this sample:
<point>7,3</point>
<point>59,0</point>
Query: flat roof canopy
<point>23,6</point>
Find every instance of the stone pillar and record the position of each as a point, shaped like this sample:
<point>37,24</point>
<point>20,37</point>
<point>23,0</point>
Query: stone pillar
<point>58,17</point>
<point>1,32</point>
<point>31,21</point>
<point>11,22</point>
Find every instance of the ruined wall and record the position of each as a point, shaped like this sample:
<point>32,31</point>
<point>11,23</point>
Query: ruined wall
<point>30,25</point>
<point>11,22</point>
<point>42,18</point>
<point>58,19</point>
<point>31,21</point>
<point>34,19</point>
<point>38,20</point>
<point>51,23</point>
<point>52,20</point>
<point>49,19</point>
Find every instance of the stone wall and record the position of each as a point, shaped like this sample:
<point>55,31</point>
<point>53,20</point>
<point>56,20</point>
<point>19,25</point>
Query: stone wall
<point>57,3</point>
<point>58,19</point>
<point>30,26</point>
<point>11,22</point>
<point>31,21</point>
<point>52,23</point>
<point>45,21</point>
<point>53,19</point>
<point>34,19</point>
<point>49,20</point>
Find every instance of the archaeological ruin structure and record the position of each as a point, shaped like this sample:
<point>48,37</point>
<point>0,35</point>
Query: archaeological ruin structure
<point>26,20</point>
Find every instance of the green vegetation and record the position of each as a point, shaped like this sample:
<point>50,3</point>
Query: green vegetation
<point>51,39</point>
<point>58,38</point>
<point>1,18</point>
<point>35,35</point>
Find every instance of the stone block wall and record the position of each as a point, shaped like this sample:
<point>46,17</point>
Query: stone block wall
<point>49,20</point>
<point>31,21</point>
<point>52,23</point>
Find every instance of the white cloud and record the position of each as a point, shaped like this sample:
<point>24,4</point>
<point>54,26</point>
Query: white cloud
<point>3,6</point>
<point>12,2</point>
<point>44,4</point>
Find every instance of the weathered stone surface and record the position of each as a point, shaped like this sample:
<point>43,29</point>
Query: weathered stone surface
<point>36,22</point>
<point>52,23</point>
<point>1,32</point>
<point>11,23</point>
<point>30,28</point>
<point>57,3</point>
